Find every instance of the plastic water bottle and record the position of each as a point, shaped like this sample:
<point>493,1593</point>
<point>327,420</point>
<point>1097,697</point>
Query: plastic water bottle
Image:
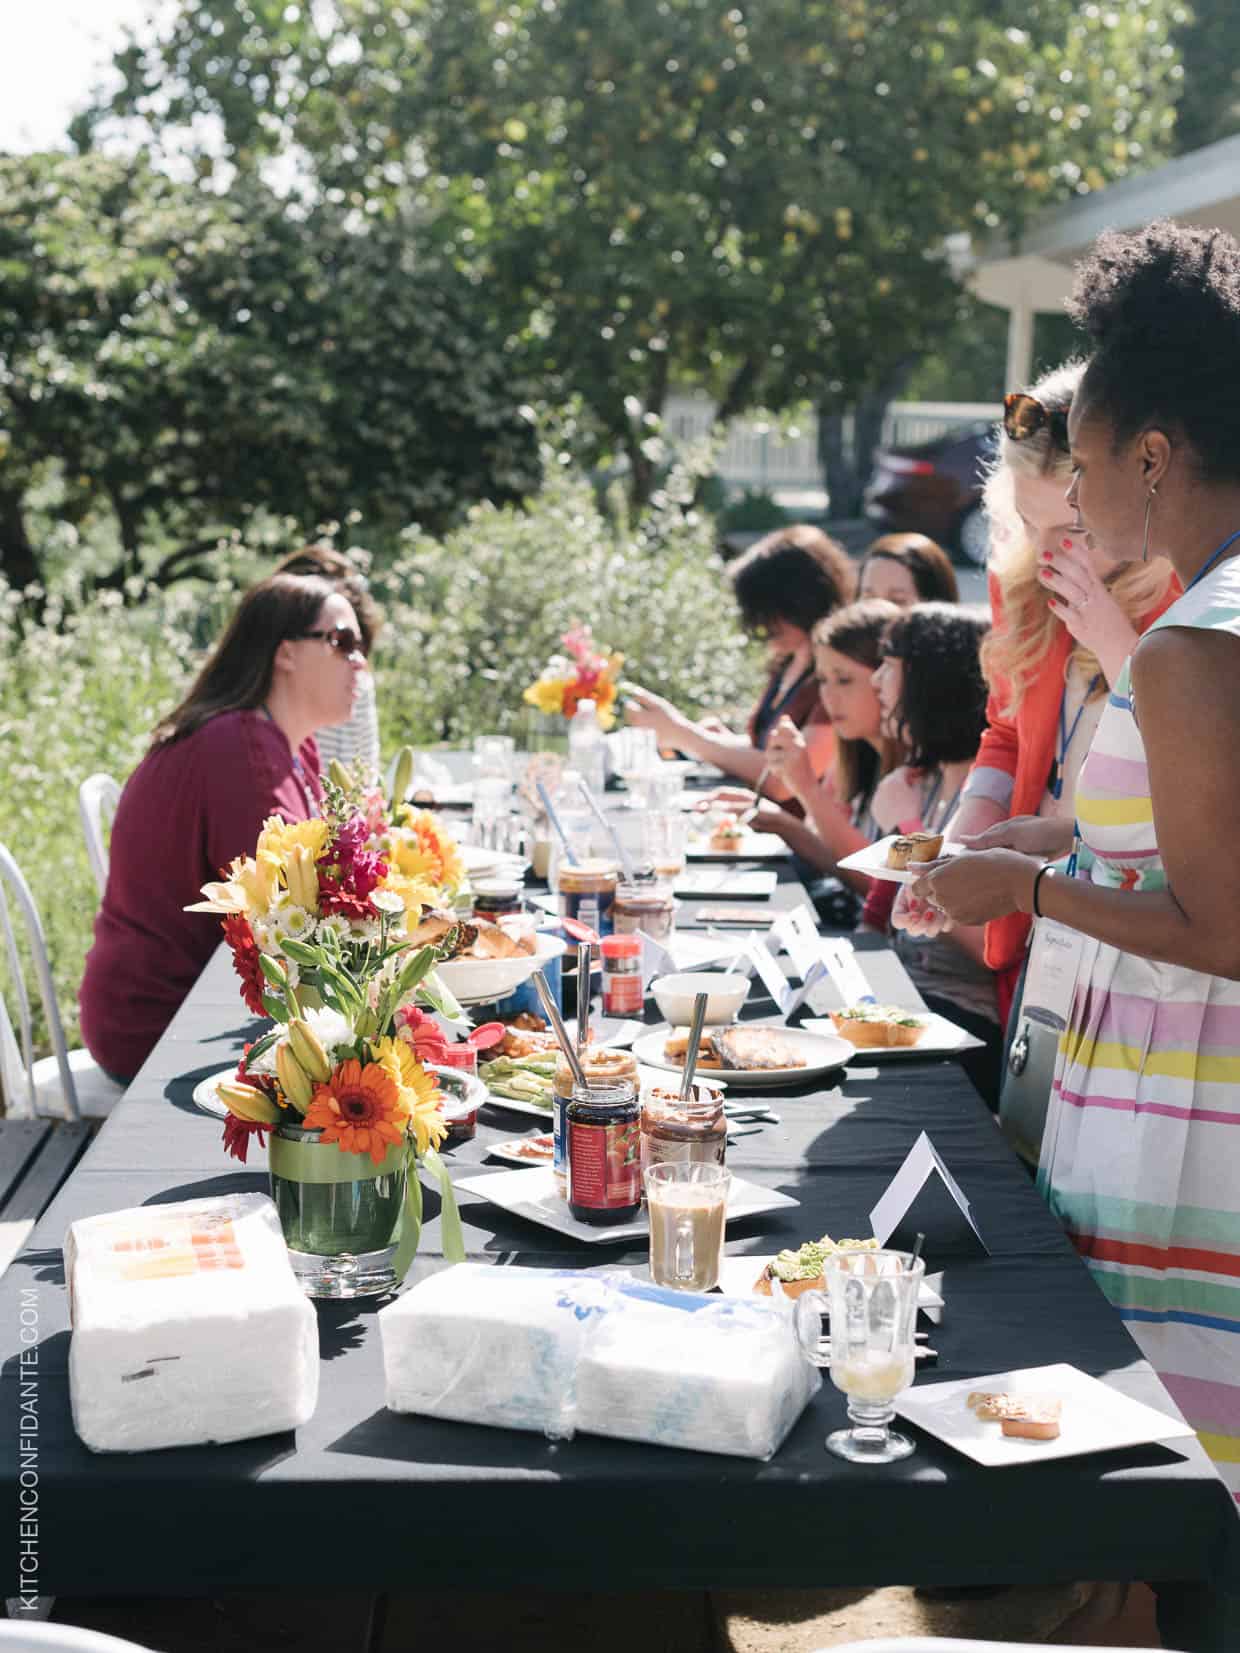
<point>586,750</point>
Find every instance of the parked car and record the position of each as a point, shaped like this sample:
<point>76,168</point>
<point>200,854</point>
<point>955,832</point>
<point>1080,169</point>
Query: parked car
<point>935,488</point>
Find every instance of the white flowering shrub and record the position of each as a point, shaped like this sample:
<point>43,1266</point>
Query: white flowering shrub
<point>471,620</point>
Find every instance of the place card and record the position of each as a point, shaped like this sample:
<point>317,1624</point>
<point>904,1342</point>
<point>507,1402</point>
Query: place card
<point>849,979</point>
<point>758,956</point>
<point>686,952</point>
<point>796,931</point>
<point>923,1197</point>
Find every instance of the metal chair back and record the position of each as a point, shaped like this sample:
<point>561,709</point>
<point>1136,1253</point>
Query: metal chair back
<point>98,796</point>
<point>17,1056</point>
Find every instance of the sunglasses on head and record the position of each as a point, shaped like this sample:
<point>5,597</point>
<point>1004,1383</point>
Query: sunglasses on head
<point>343,639</point>
<point>1025,416</point>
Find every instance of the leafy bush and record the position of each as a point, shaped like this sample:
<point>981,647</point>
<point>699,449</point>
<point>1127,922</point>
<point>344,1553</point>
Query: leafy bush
<point>471,620</point>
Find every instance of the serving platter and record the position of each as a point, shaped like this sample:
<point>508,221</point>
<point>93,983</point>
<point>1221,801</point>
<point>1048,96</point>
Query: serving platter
<point>939,1038</point>
<point>515,1151</point>
<point>822,1052</point>
<point>479,981</point>
<point>205,1095</point>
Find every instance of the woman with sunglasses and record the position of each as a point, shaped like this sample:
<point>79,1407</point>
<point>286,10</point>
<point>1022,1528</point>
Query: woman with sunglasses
<point>1141,1156</point>
<point>1066,617</point>
<point>239,747</point>
<point>356,741</point>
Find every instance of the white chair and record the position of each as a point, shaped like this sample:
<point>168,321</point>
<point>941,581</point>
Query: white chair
<point>16,1637</point>
<point>951,1644</point>
<point>98,796</point>
<point>68,1084</point>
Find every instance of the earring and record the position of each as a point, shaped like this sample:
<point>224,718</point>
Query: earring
<point>1149,506</point>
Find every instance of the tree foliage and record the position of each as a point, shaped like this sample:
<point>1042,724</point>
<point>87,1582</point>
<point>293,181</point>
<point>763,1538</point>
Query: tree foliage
<point>1209,46</point>
<point>191,358</point>
<point>755,197</point>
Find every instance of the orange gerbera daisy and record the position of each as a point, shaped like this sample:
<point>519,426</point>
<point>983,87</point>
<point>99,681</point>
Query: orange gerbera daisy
<point>359,1109</point>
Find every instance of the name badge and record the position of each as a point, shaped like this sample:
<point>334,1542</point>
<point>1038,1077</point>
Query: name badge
<point>1054,961</point>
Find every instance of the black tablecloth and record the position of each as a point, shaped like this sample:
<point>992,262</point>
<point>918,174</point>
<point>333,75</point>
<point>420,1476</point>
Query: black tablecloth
<point>374,1496</point>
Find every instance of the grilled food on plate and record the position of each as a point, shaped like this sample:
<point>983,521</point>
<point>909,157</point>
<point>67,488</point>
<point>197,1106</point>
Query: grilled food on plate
<point>736,1049</point>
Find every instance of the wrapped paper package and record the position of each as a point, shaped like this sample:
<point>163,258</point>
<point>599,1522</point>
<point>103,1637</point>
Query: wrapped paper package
<point>559,1351</point>
<point>188,1326</point>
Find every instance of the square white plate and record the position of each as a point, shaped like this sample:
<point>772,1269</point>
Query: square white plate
<point>726,881</point>
<point>872,861</point>
<point>754,846</point>
<point>532,1194</point>
<point>941,1038</point>
<point>1096,1418</point>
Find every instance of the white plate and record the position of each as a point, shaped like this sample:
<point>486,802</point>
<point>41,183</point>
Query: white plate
<point>1096,1418</point>
<point>724,881</point>
<point>822,1053</point>
<point>511,1106</point>
<point>738,1276</point>
<point>532,1194</point>
<point>941,1038</point>
<point>478,981</point>
<point>205,1096</point>
<point>872,861</point>
<point>509,1150</point>
<point>489,863</point>
<point>754,846</point>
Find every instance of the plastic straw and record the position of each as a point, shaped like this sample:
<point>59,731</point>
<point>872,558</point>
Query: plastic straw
<point>610,830</point>
<point>556,823</point>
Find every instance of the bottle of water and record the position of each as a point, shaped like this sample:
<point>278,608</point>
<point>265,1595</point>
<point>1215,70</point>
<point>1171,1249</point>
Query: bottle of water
<point>586,751</point>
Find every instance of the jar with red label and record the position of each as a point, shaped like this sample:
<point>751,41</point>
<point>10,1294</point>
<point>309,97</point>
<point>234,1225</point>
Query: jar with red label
<point>604,1155</point>
<point>622,975</point>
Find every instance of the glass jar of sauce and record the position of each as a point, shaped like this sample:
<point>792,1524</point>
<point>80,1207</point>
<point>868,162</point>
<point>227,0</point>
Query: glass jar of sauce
<point>587,892</point>
<point>644,903</point>
<point>622,975</point>
<point>496,897</point>
<point>602,1068</point>
<point>674,1131</point>
<point>604,1154</point>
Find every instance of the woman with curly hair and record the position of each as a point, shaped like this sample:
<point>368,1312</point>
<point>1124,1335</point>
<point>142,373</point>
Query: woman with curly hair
<point>1141,1156</point>
<point>1066,617</point>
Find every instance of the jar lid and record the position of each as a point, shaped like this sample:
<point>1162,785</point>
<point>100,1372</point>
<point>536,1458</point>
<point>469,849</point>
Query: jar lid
<point>621,947</point>
<point>497,888</point>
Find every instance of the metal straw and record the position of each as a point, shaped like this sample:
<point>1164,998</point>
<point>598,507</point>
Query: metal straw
<point>609,829</point>
<point>584,955</point>
<point>917,1245</point>
<point>749,814</point>
<point>547,1000</point>
<point>556,823</point>
<point>695,1039</point>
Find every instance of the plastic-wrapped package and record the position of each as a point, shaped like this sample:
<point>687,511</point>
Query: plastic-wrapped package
<point>490,1345</point>
<point>188,1326</point>
<point>561,1350</point>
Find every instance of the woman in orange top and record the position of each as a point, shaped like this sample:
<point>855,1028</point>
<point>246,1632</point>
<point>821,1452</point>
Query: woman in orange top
<point>1066,617</point>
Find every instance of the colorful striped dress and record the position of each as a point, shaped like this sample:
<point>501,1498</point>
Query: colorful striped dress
<point>1141,1156</point>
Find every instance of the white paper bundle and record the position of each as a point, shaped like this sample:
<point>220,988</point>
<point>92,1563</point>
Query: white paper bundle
<point>718,1374</point>
<point>188,1326</point>
<point>490,1345</point>
<point>557,1351</point>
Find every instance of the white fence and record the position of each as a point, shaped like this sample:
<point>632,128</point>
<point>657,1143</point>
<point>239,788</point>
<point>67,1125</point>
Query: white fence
<point>761,456</point>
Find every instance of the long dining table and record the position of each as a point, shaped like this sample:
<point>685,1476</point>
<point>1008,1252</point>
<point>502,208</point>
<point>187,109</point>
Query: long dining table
<point>593,1513</point>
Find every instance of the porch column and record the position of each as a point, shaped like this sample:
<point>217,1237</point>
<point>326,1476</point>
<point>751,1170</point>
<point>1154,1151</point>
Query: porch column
<point>1019,343</point>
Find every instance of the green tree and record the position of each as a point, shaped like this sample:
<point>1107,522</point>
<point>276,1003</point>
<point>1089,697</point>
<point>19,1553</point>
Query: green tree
<point>189,359</point>
<point>1208,41</point>
<point>752,196</point>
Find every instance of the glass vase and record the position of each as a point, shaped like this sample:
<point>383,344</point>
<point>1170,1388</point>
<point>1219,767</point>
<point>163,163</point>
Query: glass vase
<point>340,1213</point>
<point>545,732</point>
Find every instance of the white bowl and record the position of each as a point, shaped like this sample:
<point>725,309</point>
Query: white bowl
<point>674,996</point>
<point>478,981</point>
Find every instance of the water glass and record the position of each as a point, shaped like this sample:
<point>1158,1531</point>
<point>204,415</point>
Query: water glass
<point>872,1301</point>
<point>665,836</point>
<point>636,760</point>
<point>494,756</point>
<point>687,1202</point>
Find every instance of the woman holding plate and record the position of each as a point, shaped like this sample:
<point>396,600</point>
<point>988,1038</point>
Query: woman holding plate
<point>1141,1155</point>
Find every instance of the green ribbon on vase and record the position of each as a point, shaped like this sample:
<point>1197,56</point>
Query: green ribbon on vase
<point>306,1162</point>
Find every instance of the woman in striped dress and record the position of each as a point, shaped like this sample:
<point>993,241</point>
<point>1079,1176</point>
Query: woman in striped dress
<point>1141,1157</point>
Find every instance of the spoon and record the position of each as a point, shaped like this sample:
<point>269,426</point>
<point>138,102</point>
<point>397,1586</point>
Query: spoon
<point>695,1038</point>
<point>552,1012</point>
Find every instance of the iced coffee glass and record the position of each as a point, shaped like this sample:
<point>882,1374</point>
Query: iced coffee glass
<point>687,1206</point>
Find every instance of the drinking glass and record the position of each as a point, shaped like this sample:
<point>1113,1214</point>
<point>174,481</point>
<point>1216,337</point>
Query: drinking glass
<point>492,804</point>
<point>686,1202</point>
<point>494,756</point>
<point>666,834</point>
<point>636,761</point>
<point>872,1301</point>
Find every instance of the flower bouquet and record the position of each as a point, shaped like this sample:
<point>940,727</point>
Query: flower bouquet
<point>583,672</point>
<point>319,921</point>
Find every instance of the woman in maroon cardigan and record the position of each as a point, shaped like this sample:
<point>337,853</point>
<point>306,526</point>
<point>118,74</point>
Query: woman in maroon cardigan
<point>239,747</point>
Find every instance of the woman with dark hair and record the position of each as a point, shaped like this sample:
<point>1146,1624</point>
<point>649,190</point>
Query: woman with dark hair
<point>783,585</point>
<point>239,748</point>
<point>933,696</point>
<point>838,807</point>
<point>1141,1154</point>
<point>908,569</point>
<point>358,739</point>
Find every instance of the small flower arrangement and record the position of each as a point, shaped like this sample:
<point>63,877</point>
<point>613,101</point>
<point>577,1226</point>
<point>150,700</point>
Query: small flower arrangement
<point>583,672</point>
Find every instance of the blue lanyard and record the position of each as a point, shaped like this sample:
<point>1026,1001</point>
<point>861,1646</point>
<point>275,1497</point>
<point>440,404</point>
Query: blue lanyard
<point>1066,735</point>
<point>1210,562</point>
